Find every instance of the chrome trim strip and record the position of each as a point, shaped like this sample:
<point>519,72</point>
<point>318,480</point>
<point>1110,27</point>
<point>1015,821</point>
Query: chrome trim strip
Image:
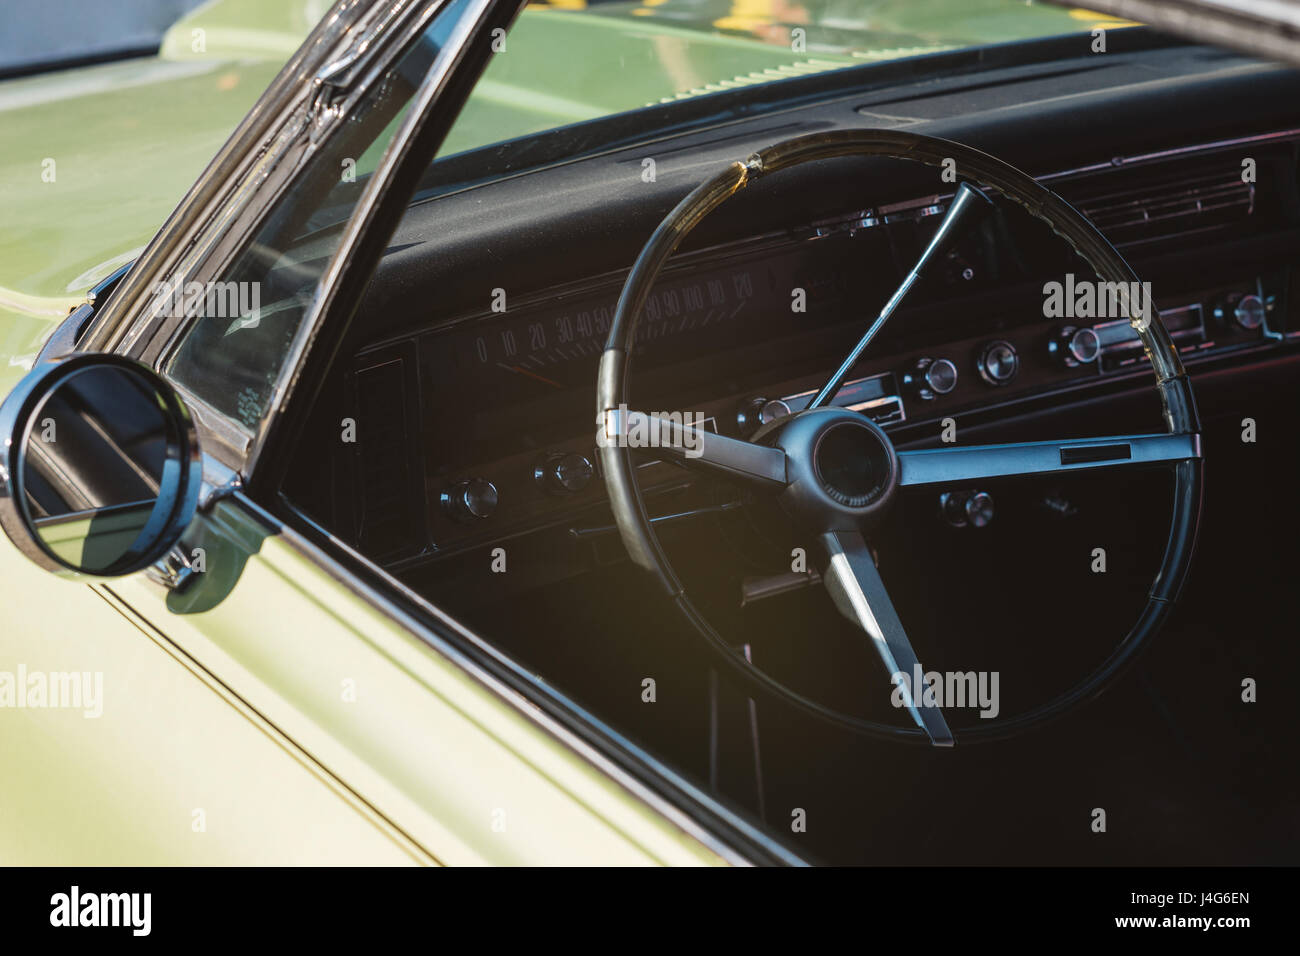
<point>1120,162</point>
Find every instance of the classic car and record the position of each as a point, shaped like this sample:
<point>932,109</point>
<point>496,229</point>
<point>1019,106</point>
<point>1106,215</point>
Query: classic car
<point>662,432</point>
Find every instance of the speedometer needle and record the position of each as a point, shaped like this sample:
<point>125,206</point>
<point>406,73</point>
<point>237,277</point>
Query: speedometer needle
<point>524,371</point>
<point>968,206</point>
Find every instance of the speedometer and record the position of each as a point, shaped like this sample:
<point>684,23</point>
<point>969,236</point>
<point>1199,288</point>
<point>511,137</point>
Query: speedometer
<point>555,342</point>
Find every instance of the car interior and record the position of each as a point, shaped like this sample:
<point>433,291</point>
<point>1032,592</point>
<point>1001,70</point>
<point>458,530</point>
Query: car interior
<point>470,371</point>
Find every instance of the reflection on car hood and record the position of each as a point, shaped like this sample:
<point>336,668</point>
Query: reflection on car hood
<point>1269,29</point>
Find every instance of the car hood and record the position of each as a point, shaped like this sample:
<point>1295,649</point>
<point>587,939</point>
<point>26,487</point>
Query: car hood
<point>97,157</point>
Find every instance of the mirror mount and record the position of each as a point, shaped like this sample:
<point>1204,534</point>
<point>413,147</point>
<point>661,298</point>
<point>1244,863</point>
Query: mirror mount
<point>174,570</point>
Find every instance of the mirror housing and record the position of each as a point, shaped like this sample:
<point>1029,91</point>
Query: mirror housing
<point>100,469</point>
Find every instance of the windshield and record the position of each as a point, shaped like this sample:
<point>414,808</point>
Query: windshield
<point>570,61</point>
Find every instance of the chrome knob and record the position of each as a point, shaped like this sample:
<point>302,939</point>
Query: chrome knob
<point>998,363</point>
<point>470,500</point>
<point>748,415</point>
<point>1073,347</point>
<point>773,410</point>
<point>962,508</point>
<point>757,411</point>
<point>1245,311</point>
<point>929,378</point>
<point>564,474</point>
<point>1249,312</point>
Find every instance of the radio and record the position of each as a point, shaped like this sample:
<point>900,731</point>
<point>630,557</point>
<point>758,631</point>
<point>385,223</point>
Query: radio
<point>1120,345</point>
<point>1214,321</point>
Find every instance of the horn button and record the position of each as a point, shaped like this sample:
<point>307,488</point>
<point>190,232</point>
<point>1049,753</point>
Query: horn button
<point>842,467</point>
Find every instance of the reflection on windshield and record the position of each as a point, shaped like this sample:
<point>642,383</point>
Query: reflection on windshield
<point>567,61</point>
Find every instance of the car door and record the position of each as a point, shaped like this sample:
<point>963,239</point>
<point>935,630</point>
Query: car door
<point>269,697</point>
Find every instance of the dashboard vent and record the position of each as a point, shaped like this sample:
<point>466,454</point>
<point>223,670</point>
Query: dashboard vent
<point>1161,201</point>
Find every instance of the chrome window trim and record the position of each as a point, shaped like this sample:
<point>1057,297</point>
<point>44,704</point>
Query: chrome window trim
<point>307,104</point>
<point>363,217</point>
<point>190,219</point>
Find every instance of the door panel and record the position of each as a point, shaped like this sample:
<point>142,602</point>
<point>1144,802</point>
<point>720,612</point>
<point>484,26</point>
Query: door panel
<point>175,770</point>
<point>424,743</point>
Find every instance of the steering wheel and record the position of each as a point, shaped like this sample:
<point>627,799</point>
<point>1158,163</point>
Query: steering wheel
<point>835,472</point>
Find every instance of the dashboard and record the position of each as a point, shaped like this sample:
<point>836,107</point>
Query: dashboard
<point>475,394</point>
<point>506,395</point>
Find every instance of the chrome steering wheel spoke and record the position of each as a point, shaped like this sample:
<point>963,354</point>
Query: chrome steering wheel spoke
<point>934,466</point>
<point>854,585</point>
<point>968,207</point>
<point>758,466</point>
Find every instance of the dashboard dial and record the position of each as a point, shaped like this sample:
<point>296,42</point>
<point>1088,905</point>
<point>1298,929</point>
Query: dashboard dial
<point>1249,312</point>
<point>564,474</point>
<point>929,378</point>
<point>470,500</point>
<point>1075,346</point>
<point>998,362</point>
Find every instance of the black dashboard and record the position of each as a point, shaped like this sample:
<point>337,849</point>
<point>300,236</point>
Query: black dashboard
<point>474,357</point>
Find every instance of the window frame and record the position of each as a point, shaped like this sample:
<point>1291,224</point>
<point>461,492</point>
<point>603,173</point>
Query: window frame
<point>344,58</point>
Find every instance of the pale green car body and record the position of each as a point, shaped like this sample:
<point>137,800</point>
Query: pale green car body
<point>300,720</point>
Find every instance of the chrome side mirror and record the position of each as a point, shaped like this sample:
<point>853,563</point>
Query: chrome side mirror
<point>100,468</point>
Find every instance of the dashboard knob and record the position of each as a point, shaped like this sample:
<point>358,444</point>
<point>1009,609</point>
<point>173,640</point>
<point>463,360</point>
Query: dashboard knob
<point>564,474</point>
<point>749,415</point>
<point>962,508</point>
<point>1249,312</point>
<point>757,411</point>
<point>998,363</point>
<point>929,378</point>
<point>470,500</point>
<point>1241,310</point>
<point>1075,346</point>
<point>773,410</point>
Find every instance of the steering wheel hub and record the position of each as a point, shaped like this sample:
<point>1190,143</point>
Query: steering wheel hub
<point>841,465</point>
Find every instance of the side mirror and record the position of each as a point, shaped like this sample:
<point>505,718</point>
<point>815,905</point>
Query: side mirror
<point>99,466</point>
